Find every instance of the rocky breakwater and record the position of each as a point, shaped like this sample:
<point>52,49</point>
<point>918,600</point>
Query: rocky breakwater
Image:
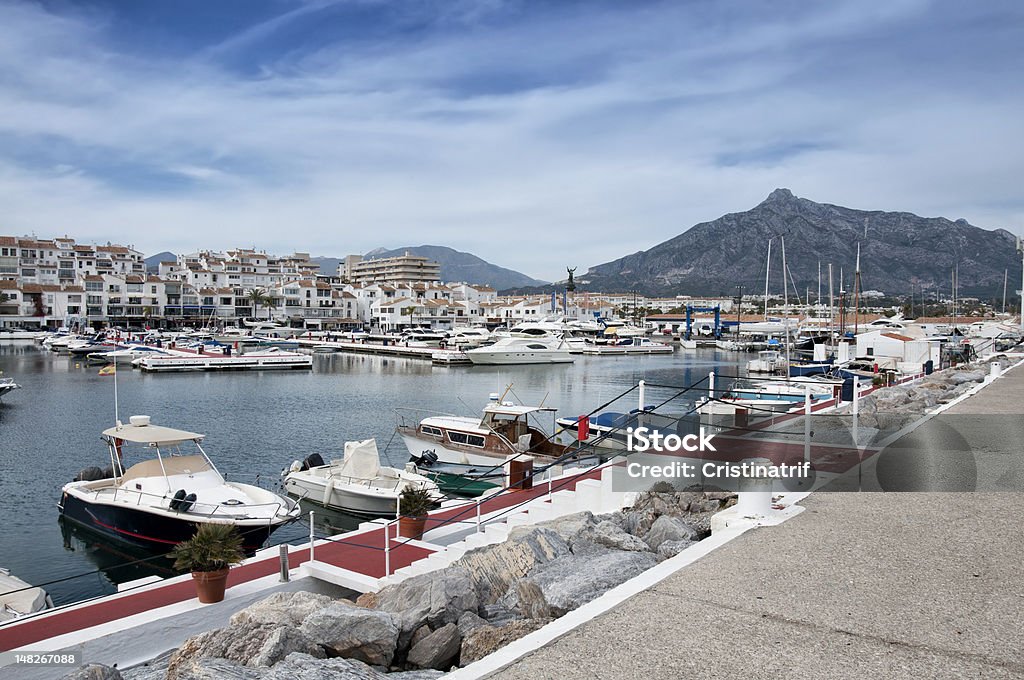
<point>430,623</point>
<point>892,408</point>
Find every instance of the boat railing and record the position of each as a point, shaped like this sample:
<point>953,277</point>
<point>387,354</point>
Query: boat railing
<point>285,509</point>
<point>364,481</point>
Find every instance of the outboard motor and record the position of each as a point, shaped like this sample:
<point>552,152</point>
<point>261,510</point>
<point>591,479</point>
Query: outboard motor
<point>90,474</point>
<point>312,460</point>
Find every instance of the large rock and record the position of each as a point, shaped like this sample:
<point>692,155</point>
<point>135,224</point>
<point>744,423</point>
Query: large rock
<point>566,526</point>
<point>437,650</point>
<point>495,568</point>
<point>354,633</point>
<point>282,608</point>
<point>469,622</point>
<point>246,644</point>
<point>960,377</point>
<point>486,639</point>
<point>669,528</point>
<point>213,668</point>
<point>610,535</point>
<point>672,548</point>
<point>437,598</point>
<point>93,671</point>
<point>305,667</point>
<point>573,580</point>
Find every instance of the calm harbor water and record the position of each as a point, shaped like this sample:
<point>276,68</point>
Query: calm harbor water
<point>256,424</point>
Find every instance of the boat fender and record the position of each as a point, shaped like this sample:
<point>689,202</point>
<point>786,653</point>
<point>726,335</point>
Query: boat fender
<point>312,460</point>
<point>328,490</point>
<point>179,496</point>
<point>89,474</point>
<point>187,504</point>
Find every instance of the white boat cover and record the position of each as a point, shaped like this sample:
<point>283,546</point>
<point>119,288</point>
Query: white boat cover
<point>23,602</point>
<point>361,459</point>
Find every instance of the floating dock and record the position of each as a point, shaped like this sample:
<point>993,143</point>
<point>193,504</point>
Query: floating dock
<point>443,357</point>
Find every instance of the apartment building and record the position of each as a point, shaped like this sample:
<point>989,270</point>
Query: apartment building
<point>403,269</point>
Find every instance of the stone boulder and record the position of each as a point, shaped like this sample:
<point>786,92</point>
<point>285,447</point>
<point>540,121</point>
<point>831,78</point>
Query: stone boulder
<point>669,549</point>
<point>306,667</point>
<point>354,633</point>
<point>961,377</point>
<point>608,534</point>
<point>439,650</point>
<point>213,668</point>
<point>282,609</point>
<point>437,598</point>
<point>469,622</point>
<point>260,644</point>
<point>483,640</point>
<point>567,526</point>
<point>496,568</point>
<point>669,528</point>
<point>93,671</point>
<point>573,580</point>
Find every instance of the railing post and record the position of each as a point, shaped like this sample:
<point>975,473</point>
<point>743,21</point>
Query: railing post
<point>807,423</point>
<point>478,516</point>
<point>387,549</point>
<point>856,396</point>
<point>711,386</point>
<point>311,536</point>
<point>283,556</point>
<point>641,394</point>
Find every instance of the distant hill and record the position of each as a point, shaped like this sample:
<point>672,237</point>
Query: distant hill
<point>328,265</point>
<point>460,266</point>
<point>153,261</point>
<point>898,250</point>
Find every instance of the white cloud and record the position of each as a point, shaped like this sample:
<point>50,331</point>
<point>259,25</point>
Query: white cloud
<point>627,138</point>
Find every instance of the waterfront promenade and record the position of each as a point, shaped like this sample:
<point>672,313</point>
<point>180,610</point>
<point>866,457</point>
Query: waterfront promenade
<point>883,585</point>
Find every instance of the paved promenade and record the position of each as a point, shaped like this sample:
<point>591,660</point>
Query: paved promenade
<point>860,585</point>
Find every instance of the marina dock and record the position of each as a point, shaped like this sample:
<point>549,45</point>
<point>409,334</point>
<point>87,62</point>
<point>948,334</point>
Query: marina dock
<point>897,584</point>
<point>444,357</point>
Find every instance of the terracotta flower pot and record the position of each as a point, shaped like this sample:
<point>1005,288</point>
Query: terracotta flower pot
<point>411,527</point>
<point>210,585</point>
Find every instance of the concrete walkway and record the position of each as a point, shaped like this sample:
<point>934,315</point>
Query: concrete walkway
<point>860,585</point>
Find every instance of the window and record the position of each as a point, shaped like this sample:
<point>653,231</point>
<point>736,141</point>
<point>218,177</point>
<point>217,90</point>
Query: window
<point>468,439</point>
<point>432,431</point>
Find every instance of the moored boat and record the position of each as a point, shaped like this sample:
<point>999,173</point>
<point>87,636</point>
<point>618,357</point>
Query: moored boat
<point>18,598</point>
<point>357,483</point>
<point>161,501</point>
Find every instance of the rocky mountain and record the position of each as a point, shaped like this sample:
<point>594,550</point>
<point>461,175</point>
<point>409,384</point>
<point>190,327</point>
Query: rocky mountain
<point>328,265</point>
<point>899,251</point>
<point>459,266</point>
<point>153,261</point>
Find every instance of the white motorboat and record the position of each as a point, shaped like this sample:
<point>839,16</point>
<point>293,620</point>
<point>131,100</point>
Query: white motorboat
<point>357,483</point>
<point>468,337</point>
<point>422,339</point>
<point>7,385</point>
<point>630,345</point>
<point>518,350</point>
<point>504,429</point>
<point>270,358</point>
<point>162,500</point>
<point>767,361</point>
<point>129,354</point>
<point>18,598</point>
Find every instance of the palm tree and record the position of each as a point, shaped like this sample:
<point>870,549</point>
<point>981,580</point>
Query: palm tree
<point>260,298</point>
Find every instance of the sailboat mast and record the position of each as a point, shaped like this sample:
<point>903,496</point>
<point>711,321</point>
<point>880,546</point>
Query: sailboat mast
<point>1006,279</point>
<point>817,300</point>
<point>785,302</point>
<point>767,270</point>
<point>831,304</point>
<point>856,294</point>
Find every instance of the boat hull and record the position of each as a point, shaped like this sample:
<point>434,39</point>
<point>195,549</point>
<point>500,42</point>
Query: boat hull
<point>524,356</point>
<point>342,498</point>
<point>152,532</point>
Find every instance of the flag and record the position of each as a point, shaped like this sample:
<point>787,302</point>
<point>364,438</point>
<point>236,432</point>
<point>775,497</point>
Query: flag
<point>108,370</point>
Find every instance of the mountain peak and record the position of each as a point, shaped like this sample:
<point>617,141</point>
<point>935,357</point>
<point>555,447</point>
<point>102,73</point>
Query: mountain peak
<point>780,196</point>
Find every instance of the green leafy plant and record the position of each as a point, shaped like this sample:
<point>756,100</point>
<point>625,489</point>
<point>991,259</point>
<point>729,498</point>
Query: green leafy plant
<point>415,502</point>
<point>214,547</point>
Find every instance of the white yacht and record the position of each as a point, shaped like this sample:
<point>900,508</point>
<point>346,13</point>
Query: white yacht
<point>767,361</point>
<point>468,337</point>
<point>357,483</point>
<point>522,350</point>
<point>270,358</point>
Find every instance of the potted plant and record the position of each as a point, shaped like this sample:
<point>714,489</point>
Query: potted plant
<point>209,556</point>
<point>414,504</point>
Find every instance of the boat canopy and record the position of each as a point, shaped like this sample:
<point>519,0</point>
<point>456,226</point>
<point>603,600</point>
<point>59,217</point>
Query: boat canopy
<point>361,459</point>
<point>514,410</point>
<point>152,435</point>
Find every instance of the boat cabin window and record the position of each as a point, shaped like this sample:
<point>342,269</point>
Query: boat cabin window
<point>431,430</point>
<point>535,346</point>
<point>468,439</point>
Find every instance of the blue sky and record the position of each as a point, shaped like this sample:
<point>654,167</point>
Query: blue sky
<point>537,135</point>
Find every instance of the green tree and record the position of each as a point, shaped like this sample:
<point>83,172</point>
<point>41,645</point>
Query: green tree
<point>260,298</point>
